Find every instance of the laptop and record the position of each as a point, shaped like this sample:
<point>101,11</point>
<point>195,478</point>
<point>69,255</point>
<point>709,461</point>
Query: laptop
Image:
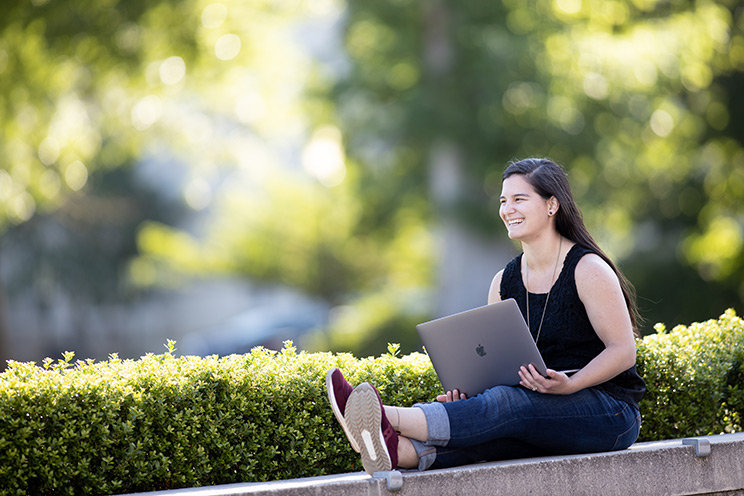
<point>480,348</point>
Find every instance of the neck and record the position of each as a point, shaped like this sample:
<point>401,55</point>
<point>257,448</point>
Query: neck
<point>540,254</point>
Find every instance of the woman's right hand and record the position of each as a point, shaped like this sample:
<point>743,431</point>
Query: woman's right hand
<point>453,395</point>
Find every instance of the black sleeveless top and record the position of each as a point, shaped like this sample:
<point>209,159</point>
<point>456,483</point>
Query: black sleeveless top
<point>567,339</point>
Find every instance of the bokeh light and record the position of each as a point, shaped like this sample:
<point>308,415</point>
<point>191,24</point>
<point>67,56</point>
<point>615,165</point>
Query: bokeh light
<point>323,156</point>
<point>227,47</point>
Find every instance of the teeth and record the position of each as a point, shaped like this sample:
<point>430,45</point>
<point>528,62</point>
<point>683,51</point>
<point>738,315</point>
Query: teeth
<point>513,222</point>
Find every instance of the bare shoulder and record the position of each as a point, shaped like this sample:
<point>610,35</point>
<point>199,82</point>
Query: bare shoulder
<point>592,271</point>
<point>494,292</point>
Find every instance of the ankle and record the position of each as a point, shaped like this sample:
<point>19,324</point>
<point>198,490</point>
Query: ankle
<point>411,422</point>
<point>393,415</point>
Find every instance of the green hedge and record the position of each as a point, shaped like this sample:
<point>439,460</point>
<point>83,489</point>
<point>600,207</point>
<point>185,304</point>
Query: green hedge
<point>695,379</point>
<point>164,422</point>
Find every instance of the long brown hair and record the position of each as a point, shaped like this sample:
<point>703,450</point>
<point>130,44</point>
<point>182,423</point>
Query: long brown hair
<point>549,179</point>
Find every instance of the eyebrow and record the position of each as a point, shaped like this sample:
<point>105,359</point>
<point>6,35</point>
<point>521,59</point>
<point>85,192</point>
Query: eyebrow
<point>515,195</point>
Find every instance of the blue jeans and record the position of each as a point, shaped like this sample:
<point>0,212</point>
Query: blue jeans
<point>508,422</point>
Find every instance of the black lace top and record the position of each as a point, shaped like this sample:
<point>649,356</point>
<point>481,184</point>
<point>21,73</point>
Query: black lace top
<point>567,339</point>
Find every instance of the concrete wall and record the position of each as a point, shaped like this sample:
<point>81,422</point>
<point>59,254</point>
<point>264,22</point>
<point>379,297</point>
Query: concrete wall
<point>711,466</point>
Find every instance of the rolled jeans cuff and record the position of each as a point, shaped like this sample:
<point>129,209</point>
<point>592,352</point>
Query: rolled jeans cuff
<point>438,427</point>
<point>426,454</point>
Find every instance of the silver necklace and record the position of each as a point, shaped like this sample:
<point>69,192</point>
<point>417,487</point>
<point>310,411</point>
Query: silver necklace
<point>547,298</point>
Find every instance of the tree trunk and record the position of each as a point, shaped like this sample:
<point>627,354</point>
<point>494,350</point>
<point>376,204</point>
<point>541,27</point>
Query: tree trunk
<point>467,260</point>
<point>4,338</point>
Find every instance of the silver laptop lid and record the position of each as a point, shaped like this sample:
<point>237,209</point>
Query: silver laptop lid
<point>480,348</point>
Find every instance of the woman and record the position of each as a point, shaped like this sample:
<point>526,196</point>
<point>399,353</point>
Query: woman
<point>581,312</point>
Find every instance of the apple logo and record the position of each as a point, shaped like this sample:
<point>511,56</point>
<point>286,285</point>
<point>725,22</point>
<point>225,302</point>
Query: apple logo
<point>480,350</point>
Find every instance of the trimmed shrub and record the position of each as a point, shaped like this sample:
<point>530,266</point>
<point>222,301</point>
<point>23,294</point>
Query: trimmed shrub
<point>165,422</point>
<point>695,379</point>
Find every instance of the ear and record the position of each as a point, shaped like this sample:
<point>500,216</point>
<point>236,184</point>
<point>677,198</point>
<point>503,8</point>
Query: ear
<point>553,205</point>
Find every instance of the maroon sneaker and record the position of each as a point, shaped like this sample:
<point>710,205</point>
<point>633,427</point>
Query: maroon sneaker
<point>338,393</point>
<point>370,428</point>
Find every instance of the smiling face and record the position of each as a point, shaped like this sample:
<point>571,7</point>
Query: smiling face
<point>524,212</point>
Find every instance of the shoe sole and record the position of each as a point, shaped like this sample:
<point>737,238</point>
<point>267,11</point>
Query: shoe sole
<point>337,411</point>
<point>364,420</point>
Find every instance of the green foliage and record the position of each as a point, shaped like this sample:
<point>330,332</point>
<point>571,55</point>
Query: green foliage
<point>637,99</point>
<point>695,379</point>
<point>165,422</point>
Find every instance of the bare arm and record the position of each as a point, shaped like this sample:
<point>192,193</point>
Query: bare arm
<point>494,293</point>
<point>600,292</point>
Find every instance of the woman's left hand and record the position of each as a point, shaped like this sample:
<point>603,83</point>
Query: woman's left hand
<point>555,383</point>
<point>450,396</point>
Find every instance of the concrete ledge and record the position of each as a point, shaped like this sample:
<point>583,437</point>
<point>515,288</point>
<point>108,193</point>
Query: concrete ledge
<point>711,465</point>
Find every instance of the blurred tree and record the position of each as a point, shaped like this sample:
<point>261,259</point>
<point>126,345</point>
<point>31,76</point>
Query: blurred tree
<point>648,89</point>
<point>67,71</point>
<point>410,129</point>
<point>88,88</point>
<point>81,250</point>
<point>299,221</point>
<point>636,98</point>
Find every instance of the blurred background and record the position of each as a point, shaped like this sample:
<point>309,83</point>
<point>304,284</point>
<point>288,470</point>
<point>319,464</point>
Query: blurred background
<point>237,173</point>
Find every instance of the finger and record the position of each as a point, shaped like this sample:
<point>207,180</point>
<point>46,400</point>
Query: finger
<point>532,388</point>
<point>554,375</point>
<point>528,384</point>
<point>534,371</point>
<point>542,382</point>
<point>442,398</point>
<point>527,378</point>
<point>531,372</point>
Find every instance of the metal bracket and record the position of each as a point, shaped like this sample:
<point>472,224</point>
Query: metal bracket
<point>393,478</point>
<point>702,445</point>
